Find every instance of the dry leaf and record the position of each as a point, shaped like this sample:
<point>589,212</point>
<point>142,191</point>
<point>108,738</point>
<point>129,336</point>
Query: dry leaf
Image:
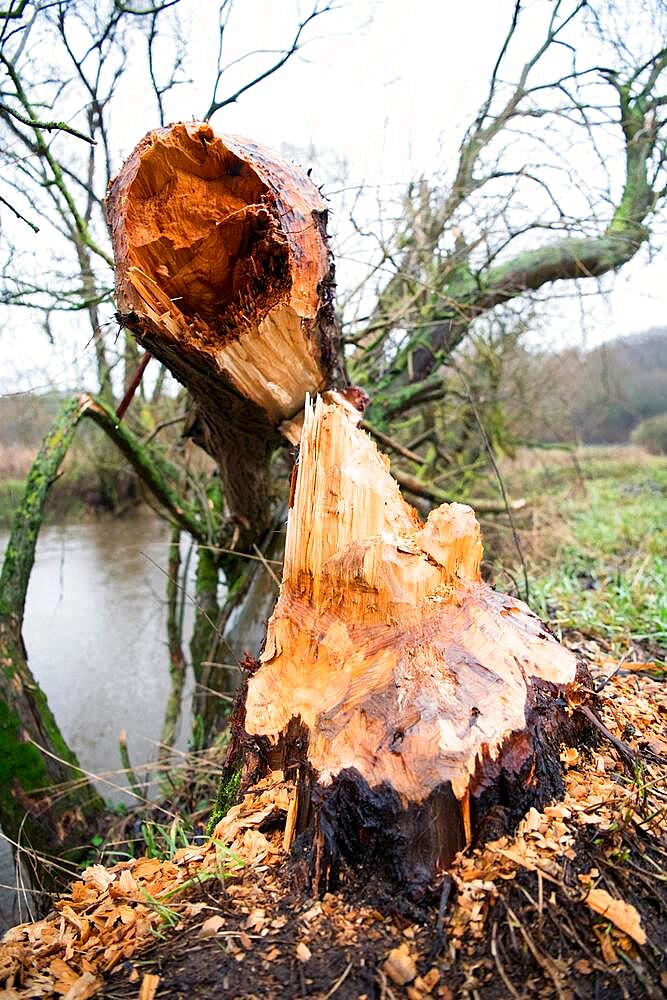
<point>607,949</point>
<point>622,915</point>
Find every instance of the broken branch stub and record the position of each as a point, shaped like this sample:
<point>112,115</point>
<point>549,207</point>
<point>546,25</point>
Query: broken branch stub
<point>223,272</point>
<point>415,699</point>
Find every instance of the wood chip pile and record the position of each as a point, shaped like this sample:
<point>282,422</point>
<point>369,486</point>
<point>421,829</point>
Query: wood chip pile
<point>112,915</point>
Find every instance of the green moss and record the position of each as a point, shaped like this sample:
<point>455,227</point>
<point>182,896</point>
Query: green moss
<point>20,552</point>
<point>227,794</point>
<point>19,761</point>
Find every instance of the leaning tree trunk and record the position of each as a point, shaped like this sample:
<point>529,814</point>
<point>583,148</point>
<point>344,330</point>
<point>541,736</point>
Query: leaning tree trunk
<point>46,803</point>
<point>405,701</point>
<point>47,806</point>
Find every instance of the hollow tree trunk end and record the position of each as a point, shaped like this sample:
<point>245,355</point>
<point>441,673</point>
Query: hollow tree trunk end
<point>223,272</point>
<point>412,706</point>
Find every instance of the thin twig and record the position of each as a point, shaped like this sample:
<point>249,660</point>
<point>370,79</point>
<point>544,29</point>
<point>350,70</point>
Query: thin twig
<point>501,483</point>
<point>265,564</point>
<point>628,755</point>
<point>133,386</point>
<point>391,443</point>
<point>339,982</point>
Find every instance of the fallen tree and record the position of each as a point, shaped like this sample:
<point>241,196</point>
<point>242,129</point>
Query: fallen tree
<point>404,701</point>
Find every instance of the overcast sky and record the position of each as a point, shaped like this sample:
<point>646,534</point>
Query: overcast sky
<point>385,85</point>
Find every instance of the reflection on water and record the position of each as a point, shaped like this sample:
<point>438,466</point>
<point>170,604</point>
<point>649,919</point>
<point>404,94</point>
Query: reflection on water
<point>95,631</point>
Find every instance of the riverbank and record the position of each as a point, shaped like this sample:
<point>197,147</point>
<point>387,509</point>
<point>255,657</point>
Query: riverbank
<point>95,631</point>
<point>570,905</point>
<point>74,498</point>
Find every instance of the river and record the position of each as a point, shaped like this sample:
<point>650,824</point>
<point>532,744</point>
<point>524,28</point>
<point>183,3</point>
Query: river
<point>95,634</point>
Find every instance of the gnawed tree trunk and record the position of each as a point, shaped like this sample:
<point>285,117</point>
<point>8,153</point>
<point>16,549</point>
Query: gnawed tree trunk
<point>412,698</point>
<point>407,703</point>
<point>224,274</point>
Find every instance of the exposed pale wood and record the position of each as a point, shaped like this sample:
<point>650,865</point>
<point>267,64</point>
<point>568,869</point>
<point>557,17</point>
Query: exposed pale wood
<point>401,666</point>
<point>408,701</point>
<point>222,252</point>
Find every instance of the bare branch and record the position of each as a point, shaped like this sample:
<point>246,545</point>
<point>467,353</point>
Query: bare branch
<point>48,126</point>
<point>216,104</point>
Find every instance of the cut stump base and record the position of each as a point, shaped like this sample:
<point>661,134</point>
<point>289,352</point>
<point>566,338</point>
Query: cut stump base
<point>413,706</point>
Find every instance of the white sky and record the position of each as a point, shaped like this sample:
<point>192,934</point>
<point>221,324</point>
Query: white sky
<point>384,84</point>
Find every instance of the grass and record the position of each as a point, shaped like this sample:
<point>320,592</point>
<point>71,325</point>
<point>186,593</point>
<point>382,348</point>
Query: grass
<point>67,500</point>
<point>597,560</point>
<point>163,841</point>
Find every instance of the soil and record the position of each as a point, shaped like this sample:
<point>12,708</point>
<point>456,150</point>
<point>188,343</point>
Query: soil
<point>274,941</point>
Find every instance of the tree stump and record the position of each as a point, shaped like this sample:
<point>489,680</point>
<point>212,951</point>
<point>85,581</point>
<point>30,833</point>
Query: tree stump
<point>412,699</point>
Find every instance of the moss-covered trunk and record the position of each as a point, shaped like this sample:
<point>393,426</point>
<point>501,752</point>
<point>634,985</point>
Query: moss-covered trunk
<point>46,804</point>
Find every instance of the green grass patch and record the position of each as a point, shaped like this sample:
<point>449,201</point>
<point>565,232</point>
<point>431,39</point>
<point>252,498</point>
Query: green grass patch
<point>605,571</point>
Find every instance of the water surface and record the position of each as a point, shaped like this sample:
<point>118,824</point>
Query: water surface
<point>95,632</point>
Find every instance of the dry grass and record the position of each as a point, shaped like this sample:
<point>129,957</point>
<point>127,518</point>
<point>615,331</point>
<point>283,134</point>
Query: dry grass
<point>15,461</point>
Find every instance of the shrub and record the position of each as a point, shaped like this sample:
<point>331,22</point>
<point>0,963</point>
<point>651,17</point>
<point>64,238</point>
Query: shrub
<point>651,434</point>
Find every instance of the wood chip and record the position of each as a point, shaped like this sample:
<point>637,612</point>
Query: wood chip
<point>622,915</point>
<point>211,926</point>
<point>86,986</point>
<point>399,966</point>
<point>303,952</point>
<point>149,985</point>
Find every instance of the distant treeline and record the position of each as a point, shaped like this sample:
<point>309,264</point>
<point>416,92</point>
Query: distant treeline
<point>597,396</point>
<point>25,417</point>
<point>619,384</point>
